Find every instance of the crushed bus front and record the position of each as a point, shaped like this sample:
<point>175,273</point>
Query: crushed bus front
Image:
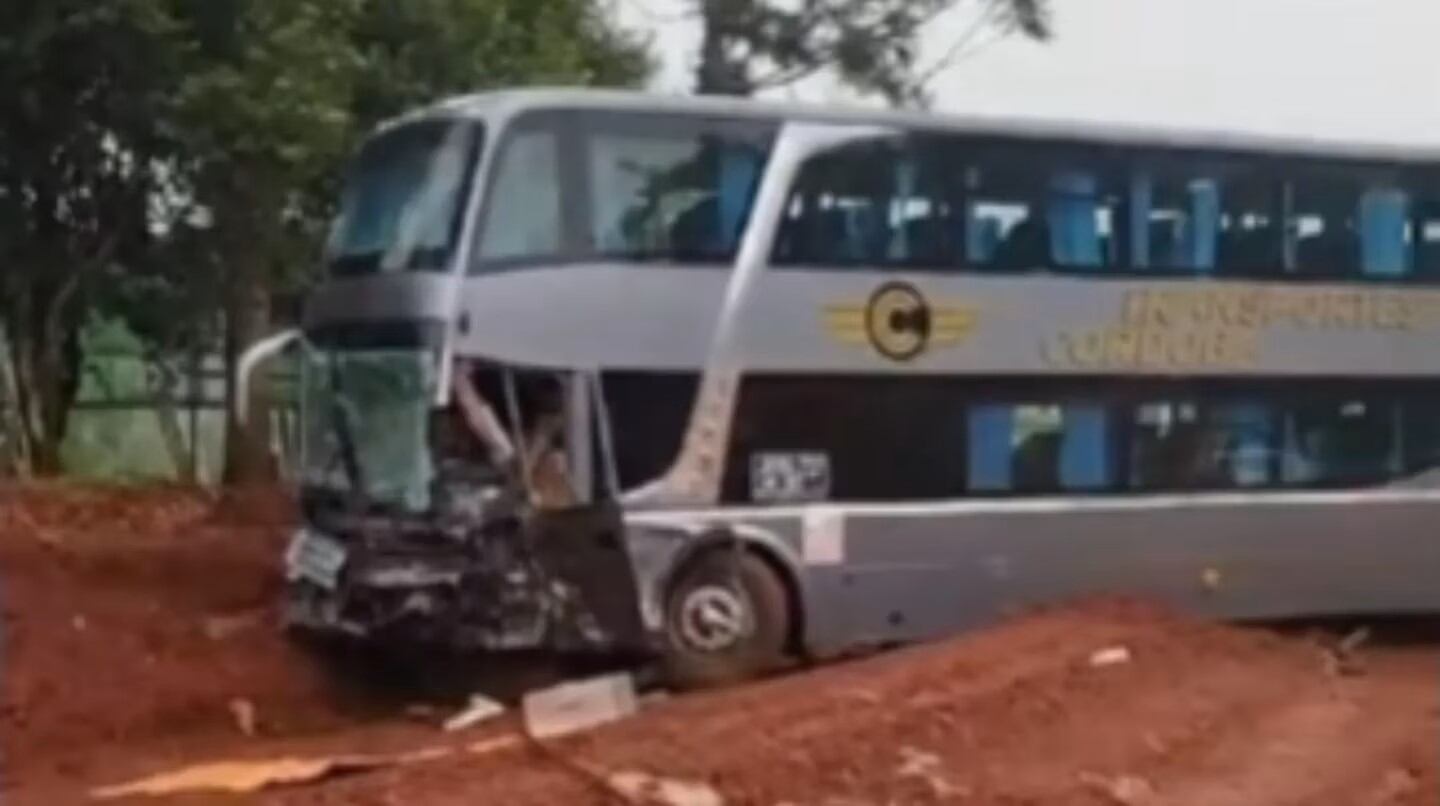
<point>412,537</point>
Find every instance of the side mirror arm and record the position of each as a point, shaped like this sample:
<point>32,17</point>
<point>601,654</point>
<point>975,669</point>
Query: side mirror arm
<point>252,357</point>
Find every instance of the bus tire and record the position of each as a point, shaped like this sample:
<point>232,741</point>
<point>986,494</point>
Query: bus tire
<point>727,619</point>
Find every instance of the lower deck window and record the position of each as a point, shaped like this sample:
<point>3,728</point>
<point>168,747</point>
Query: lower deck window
<point>917,439</point>
<point>1039,448</point>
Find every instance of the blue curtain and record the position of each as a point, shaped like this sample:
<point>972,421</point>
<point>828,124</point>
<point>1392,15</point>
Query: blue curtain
<point>1384,249</point>
<point>1142,197</point>
<point>982,236</point>
<point>991,429</point>
<point>739,169</point>
<point>1203,232</point>
<point>1085,449</point>
<point>900,247</point>
<point>1074,228</point>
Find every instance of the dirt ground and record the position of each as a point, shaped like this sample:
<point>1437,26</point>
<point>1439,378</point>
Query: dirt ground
<point>139,635</point>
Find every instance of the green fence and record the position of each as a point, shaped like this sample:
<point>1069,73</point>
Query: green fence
<point>117,430</point>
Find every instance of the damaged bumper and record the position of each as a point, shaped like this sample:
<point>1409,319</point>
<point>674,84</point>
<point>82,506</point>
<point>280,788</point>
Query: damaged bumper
<point>547,589</point>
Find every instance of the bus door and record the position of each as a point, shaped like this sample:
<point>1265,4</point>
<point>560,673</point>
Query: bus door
<point>578,534</point>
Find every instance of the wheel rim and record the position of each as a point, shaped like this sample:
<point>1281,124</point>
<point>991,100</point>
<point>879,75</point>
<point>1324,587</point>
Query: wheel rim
<point>714,618</point>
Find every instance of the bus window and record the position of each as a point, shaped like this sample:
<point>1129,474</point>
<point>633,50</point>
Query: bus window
<point>525,219</point>
<point>1187,445</point>
<point>1005,219</point>
<point>1419,436</point>
<point>1339,442</point>
<point>869,204</point>
<point>1244,438</point>
<point>403,201</point>
<point>990,428</point>
<point>1079,219</point>
<point>678,195</point>
<point>575,185</point>
<point>1174,222</point>
<point>1320,232</point>
<point>1039,448</point>
<point>1167,446</point>
<point>918,218</point>
<point>838,212</point>
<point>1021,218</point>
<point>1386,248</point>
<point>1251,239</point>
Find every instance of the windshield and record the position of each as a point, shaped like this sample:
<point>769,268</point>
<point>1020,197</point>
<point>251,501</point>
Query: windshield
<point>403,202</point>
<point>366,423</point>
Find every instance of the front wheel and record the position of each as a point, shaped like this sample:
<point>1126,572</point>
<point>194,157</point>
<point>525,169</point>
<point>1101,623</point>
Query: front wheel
<point>727,619</point>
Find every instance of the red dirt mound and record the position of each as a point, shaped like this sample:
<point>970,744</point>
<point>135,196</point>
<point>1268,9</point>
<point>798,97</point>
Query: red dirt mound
<point>132,616</point>
<point>1194,713</point>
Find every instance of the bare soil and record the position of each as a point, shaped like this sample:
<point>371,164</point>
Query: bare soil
<point>134,621</point>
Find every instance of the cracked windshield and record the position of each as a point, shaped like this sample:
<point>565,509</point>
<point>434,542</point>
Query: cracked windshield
<point>366,423</point>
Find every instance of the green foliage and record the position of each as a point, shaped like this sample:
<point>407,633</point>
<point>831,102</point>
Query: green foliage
<point>83,113</point>
<point>164,161</point>
<point>417,50</point>
<point>872,45</point>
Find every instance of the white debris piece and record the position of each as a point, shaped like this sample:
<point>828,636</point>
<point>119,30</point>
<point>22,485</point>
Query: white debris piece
<point>1110,656</point>
<point>929,768</point>
<point>579,705</point>
<point>244,713</point>
<point>1123,790</point>
<point>478,710</point>
<point>668,791</point>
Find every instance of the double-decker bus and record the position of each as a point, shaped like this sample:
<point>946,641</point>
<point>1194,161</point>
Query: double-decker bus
<point>727,381</point>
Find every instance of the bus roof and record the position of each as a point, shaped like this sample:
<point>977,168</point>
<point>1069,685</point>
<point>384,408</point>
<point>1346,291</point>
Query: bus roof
<point>517,100</point>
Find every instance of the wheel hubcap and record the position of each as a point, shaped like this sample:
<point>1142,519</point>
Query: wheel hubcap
<point>714,618</point>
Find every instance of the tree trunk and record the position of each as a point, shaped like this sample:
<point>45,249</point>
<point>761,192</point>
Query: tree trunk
<point>247,320</point>
<point>14,447</point>
<point>167,417</point>
<point>45,362</point>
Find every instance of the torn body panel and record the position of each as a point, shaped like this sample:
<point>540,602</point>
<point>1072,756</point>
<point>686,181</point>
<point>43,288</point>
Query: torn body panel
<point>511,579</point>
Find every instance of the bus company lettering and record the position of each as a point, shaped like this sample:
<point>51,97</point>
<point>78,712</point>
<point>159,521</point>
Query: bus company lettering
<point>1221,328</point>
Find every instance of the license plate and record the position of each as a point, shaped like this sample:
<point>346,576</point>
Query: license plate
<point>316,558</point>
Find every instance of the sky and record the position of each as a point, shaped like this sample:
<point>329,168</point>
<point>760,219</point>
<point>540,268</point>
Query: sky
<point>1332,69</point>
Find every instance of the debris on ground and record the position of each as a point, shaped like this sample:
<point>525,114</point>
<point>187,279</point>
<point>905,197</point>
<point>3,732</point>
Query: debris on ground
<point>645,788</point>
<point>1110,656</point>
<point>1121,790</point>
<point>479,709</point>
<point>929,768</point>
<point>247,777</point>
<point>1343,660</point>
<point>579,705</point>
<point>237,777</point>
<point>244,712</point>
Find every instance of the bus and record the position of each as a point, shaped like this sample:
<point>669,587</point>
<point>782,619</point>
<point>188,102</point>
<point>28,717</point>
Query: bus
<point>728,383</point>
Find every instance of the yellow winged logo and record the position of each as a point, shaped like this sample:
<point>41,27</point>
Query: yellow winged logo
<point>899,323</point>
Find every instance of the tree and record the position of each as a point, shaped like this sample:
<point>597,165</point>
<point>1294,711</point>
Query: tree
<point>280,91</point>
<point>751,45</point>
<point>262,113</point>
<point>419,50</point>
<point>82,114</point>
<point>174,163</point>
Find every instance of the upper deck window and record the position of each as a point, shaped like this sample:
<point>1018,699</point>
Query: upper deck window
<point>404,199</point>
<point>526,219</point>
<point>992,204</point>
<point>623,186</point>
<point>864,205</point>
